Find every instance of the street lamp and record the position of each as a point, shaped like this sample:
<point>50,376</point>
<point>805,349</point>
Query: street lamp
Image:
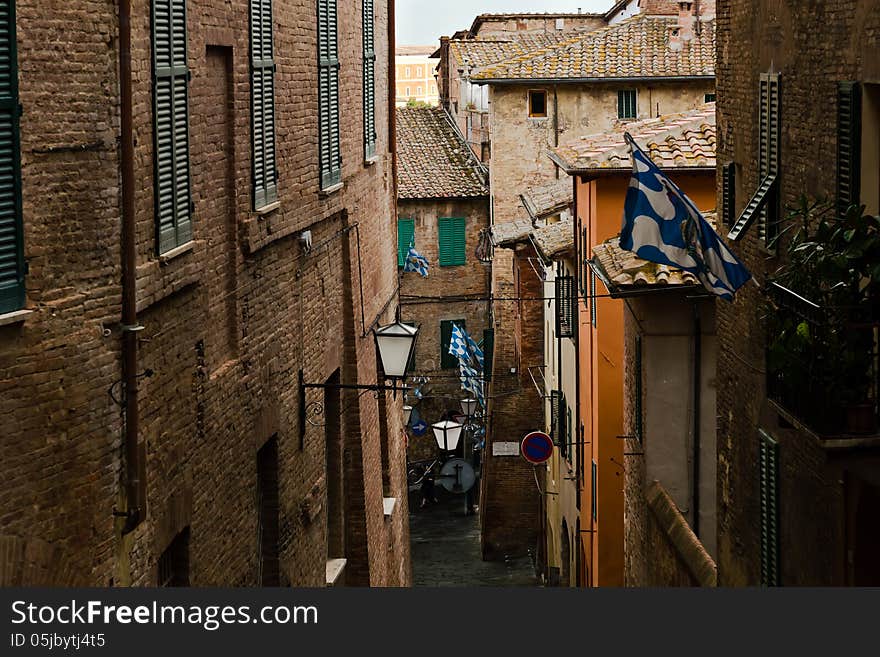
<point>447,434</point>
<point>395,344</point>
<point>469,407</point>
<point>407,415</point>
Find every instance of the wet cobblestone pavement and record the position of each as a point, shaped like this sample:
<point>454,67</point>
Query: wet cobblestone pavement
<point>445,549</point>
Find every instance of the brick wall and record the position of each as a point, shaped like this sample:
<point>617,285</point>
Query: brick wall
<point>448,293</point>
<point>812,50</point>
<point>227,325</point>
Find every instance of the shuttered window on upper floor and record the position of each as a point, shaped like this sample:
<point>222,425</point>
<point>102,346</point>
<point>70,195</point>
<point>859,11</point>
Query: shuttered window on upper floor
<point>406,229</point>
<point>369,80</point>
<point>451,235</point>
<point>12,265</point>
<point>265,171</point>
<point>566,307</point>
<point>768,484</point>
<point>328,95</point>
<point>764,205</point>
<point>849,143</point>
<point>728,194</point>
<point>171,125</point>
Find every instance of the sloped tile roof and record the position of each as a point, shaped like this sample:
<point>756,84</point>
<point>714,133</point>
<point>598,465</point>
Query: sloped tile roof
<point>433,161</point>
<point>554,240</point>
<point>479,52</point>
<point>638,47</point>
<point>511,232</point>
<point>626,269</point>
<point>548,199</point>
<point>673,141</point>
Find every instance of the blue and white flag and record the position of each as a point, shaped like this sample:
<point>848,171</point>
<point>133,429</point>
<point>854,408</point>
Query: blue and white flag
<point>472,382</point>
<point>470,362</point>
<point>661,224</point>
<point>415,261</point>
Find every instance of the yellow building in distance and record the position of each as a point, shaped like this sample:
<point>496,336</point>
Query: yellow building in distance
<point>415,75</point>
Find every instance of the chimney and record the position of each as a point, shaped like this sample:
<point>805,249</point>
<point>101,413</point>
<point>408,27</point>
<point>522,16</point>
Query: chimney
<point>685,20</point>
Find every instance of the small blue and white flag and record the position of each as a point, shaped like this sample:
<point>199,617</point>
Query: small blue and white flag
<point>415,261</point>
<point>661,224</point>
<point>459,345</point>
<point>472,382</point>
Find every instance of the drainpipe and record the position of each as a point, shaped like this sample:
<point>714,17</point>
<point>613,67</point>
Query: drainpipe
<point>130,326</point>
<point>392,98</point>
<point>698,348</point>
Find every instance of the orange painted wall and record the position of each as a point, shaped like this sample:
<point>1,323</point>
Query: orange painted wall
<point>600,212</point>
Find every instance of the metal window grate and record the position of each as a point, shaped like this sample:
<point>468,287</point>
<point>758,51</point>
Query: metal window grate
<point>173,564</point>
<point>626,104</point>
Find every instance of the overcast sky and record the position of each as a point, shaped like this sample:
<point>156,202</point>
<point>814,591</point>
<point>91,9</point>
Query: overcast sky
<point>423,22</point>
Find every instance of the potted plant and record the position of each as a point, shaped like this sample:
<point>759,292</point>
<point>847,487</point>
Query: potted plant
<point>832,265</point>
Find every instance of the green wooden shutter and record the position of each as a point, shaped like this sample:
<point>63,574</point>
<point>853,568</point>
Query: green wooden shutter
<point>453,247</point>
<point>12,265</point>
<point>369,80</point>
<point>768,157</point>
<point>728,194</point>
<point>265,176</point>
<point>328,94</point>
<point>849,145</point>
<point>170,119</point>
<point>447,360</point>
<point>768,461</point>
<point>406,228</point>
<point>488,347</point>
<point>594,312</point>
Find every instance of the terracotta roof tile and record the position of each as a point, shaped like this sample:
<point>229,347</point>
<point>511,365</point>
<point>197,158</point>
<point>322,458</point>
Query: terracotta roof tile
<point>626,269</point>
<point>511,232</point>
<point>554,240</point>
<point>638,47</point>
<point>542,201</point>
<point>673,141</point>
<point>433,161</point>
<point>483,51</point>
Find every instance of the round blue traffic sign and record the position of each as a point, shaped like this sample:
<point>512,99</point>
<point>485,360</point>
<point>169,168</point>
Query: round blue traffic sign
<point>536,447</point>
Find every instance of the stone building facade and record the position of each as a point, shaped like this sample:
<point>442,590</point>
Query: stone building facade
<point>442,189</point>
<point>237,486</point>
<point>797,504</point>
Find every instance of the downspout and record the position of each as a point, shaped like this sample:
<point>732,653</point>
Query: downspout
<point>392,99</point>
<point>556,124</point>
<point>698,348</point>
<point>130,326</point>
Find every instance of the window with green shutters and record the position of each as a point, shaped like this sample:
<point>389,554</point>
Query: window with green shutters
<point>406,228</point>
<point>328,95</point>
<point>12,265</point>
<point>263,104</point>
<point>171,125</point>
<point>768,462</point>
<point>626,104</point>
<point>447,360</point>
<point>849,142</point>
<point>369,80</point>
<point>452,241</point>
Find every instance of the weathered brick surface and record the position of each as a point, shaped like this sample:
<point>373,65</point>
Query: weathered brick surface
<point>449,293</point>
<point>812,49</point>
<point>228,325</point>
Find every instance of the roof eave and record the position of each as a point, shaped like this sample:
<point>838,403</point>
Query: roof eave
<point>628,291</point>
<point>642,78</point>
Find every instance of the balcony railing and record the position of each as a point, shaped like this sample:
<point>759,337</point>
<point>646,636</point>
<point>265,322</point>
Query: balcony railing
<point>822,363</point>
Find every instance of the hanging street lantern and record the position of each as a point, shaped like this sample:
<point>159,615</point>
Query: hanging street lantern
<point>447,434</point>
<point>407,415</point>
<point>395,344</point>
<point>469,407</point>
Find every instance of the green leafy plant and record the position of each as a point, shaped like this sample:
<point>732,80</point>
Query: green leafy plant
<point>821,338</point>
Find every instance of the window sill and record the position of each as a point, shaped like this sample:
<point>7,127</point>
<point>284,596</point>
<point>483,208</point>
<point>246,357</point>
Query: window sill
<point>168,256</point>
<point>324,193</point>
<point>371,161</point>
<point>14,317</point>
<point>335,569</point>
<point>267,209</point>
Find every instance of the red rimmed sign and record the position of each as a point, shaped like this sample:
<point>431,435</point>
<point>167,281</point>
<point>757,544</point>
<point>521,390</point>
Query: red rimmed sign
<point>536,448</point>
